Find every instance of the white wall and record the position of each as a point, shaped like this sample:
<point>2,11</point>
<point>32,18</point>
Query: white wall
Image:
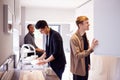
<point>107,22</point>
<point>6,41</point>
<point>50,14</point>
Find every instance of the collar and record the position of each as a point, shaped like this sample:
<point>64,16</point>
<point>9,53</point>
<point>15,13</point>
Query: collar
<point>31,34</point>
<point>78,35</point>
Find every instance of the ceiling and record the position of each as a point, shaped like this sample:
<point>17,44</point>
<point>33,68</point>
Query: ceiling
<point>53,3</point>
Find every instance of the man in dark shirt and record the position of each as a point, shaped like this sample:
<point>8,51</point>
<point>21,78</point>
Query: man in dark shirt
<point>54,55</point>
<point>29,39</point>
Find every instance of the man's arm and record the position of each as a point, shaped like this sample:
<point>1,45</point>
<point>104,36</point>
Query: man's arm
<point>44,61</point>
<point>39,50</point>
<point>42,57</point>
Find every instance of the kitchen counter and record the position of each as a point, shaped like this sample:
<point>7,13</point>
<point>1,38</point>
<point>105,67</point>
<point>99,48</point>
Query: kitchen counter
<point>34,72</point>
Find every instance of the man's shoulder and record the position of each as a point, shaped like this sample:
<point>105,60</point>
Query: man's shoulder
<point>73,36</point>
<point>54,33</point>
<point>27,36</point>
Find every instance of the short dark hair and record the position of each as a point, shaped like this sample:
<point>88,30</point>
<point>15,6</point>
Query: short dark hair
<point>41,24</point>
<point>29,26</point>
